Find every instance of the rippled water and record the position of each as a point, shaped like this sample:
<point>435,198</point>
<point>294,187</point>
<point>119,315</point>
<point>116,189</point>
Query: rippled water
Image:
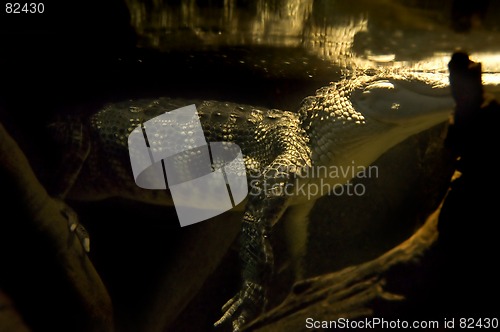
<point>314,40</point>
<point>272,52</point>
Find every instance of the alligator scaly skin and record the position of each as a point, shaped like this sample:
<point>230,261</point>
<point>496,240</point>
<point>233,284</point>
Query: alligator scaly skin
<point>269,139</point>
<point>278,147</point>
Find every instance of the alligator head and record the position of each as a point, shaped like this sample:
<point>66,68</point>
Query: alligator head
<point>355,121</point>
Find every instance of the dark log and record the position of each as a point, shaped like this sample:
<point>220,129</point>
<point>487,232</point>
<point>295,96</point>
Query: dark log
<point>10,320</point>
<point>35,212</point>
<point>347,293</point>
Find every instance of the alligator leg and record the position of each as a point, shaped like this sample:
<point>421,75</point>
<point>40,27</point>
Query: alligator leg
<point>257,258</point>
<point>264,208</point>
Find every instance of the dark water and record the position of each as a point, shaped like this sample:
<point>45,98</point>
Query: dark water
<point>80,55</point>
<point>259,52</point>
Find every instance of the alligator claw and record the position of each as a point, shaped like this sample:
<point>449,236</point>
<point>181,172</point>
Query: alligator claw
<point>246,305</point>
<point>83,236</point>
<point>74,225</point>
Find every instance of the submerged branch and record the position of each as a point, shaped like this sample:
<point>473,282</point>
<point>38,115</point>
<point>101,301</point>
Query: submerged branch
<point>20,185</point>
<point>347,293</point>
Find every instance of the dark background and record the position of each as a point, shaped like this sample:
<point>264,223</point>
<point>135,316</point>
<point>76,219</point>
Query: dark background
<point>79,55</point>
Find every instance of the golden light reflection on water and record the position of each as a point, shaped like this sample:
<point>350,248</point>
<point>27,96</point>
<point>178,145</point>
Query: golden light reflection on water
<point>279,23</point>
<point>353,36</point>
<point>286,23</point>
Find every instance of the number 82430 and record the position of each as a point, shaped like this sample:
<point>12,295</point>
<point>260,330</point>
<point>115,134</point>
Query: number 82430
<point>24,8</point>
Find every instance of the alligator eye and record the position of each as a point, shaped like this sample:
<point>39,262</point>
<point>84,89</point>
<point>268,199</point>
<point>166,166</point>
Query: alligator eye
<point>382,85</point>
<point>378,91</point>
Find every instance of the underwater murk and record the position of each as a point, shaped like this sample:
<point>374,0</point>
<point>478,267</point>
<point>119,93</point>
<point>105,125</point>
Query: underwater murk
<point>392,229</point>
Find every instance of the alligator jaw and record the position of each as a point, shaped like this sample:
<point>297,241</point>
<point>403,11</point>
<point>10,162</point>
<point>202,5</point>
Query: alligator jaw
<point>395,110</point>
<point>392,111</point>
<point>409,104</point>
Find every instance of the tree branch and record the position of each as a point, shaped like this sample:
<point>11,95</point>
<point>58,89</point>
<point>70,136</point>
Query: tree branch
<point>349,292</point>
<point>20,184</point>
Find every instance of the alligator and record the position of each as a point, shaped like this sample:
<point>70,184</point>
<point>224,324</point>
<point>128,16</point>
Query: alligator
<point>347,124</point>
